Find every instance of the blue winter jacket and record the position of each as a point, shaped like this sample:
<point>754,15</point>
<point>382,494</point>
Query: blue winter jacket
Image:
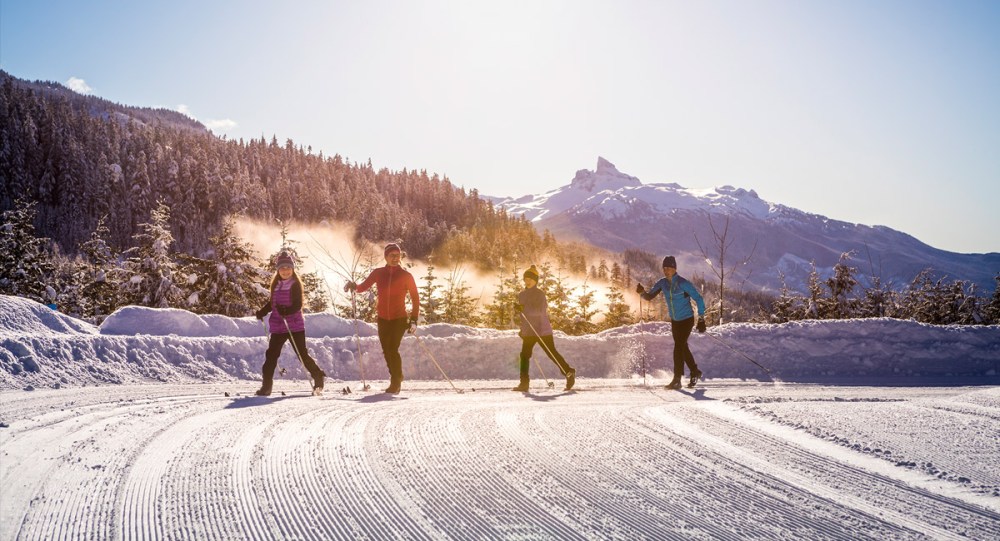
<point>677,294</point>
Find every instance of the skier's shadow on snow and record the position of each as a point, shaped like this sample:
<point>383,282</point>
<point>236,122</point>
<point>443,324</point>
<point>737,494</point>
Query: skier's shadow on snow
<point>546,397</point>
<point>379,397</point>
<point>697,394</point>
<point>254,401</point>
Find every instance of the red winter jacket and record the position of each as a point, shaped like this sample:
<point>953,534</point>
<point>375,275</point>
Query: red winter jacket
<point>393,285</point>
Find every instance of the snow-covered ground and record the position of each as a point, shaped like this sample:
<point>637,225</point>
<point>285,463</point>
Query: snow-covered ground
<point>145,428</point>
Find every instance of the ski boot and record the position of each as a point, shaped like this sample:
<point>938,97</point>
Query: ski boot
<point>675,384</point>
<point>695,376</point>
<point>318,383</point>
<point>523,387</point>
<point>265,389</point>
<point>570,379</point>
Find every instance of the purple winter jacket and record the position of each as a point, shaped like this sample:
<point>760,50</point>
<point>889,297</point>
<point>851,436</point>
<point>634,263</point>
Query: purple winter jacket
<point>287,294</point>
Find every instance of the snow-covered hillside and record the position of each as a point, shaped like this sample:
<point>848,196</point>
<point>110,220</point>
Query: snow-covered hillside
<point>614,210</point>
<point>146,428</point>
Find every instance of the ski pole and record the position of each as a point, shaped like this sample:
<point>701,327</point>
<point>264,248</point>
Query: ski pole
<point>548,383</point>
<point>723,342</point>
<point>431,355</point>
<point>357,340</point>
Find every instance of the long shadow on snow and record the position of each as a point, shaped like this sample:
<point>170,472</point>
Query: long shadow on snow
<point>253,401</point>
<point>379,397</point>
<point>697,394</point>
<point>547,397</point>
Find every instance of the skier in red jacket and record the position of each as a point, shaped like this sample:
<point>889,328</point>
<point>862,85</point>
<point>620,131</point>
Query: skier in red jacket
<point>393,282</point>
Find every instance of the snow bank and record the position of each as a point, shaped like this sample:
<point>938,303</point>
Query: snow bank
<point>41,348</point>
<point>18,315</point>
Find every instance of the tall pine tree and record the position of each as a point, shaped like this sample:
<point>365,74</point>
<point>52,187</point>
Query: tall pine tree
<point>150,269</point>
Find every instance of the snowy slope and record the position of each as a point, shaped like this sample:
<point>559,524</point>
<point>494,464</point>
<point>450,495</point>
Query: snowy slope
<point>100,448</point>
<point>614,210</point>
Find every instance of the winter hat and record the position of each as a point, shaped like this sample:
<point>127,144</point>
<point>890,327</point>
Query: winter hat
<point>669,261</point>
<point>391,247</point>
<point>532,273</point>
<point>284,260</point>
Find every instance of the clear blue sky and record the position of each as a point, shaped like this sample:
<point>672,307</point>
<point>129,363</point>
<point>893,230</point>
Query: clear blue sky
<point>875,112</point>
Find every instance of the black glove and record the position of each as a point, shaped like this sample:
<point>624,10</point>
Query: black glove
<point>262,312</point>
<point>639,289</point>
<point>518,307</point>
<point>413,325</point>
<point>285,311</point>
<point>701,325</point>
<point>350,286</point>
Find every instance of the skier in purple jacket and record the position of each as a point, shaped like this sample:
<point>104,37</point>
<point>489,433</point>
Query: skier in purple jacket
<point>286,321</point>
<point>536,329</point>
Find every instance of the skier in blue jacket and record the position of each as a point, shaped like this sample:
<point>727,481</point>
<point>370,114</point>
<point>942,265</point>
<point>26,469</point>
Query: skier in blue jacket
<point>677,293</point>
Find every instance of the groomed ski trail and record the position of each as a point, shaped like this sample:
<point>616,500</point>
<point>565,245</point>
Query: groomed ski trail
<point>615,462</point>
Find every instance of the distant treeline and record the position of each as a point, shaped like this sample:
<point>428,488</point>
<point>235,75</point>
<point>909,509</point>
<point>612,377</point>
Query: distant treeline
<point>83,159</point>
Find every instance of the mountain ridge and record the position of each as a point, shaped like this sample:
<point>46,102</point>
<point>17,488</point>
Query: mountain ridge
<point>615,211</point>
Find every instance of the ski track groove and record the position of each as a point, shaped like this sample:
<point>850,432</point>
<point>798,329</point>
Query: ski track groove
<point>885,492</point>
<point>567,487</point>
<point>623,450</point>
<point>85,493</point>
<point>757,446</point>
<point>388,478</point>
<point>445,459</point>
<point>782,502</point>
<point>166,463</point>
<point>337,489</point>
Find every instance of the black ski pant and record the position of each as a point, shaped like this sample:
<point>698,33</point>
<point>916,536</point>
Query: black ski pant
<point>549,347</point>
<point>681,331</point>
<point>274,351</point>
<point>390,335</point>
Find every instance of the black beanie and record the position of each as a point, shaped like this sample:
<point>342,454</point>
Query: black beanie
<point>669,261</point>
<point>532,273</point>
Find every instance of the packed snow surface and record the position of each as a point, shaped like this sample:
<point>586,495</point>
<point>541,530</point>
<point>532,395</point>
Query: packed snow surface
<point>146,428</point>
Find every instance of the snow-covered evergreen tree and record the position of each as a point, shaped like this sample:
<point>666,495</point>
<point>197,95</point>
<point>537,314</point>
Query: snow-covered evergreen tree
<point>429,301</point>
<point>500,314</point>
<point>841,285</point>
<point>150,270</point>
<point>228,280</point>
<point>559,295</point>
<point>991,311</point>
<point>618,313</point>
<point>584,311</point>
<point>25,265</point>
<point>101,275</point>
<point>316,290</point>
<point>67,281</point>
<point>815,303</point>
<point>456,305</point>
<point>783,308</point>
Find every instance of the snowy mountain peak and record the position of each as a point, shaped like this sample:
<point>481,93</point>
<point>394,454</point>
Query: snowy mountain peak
<point>607,207</point>
<point>606,177</point>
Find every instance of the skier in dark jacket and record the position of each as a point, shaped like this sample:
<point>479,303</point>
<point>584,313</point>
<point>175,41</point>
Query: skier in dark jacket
<point>393,282</point>
<point>286,321</point>
<point>677,293</point>
<point>536,328</point>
